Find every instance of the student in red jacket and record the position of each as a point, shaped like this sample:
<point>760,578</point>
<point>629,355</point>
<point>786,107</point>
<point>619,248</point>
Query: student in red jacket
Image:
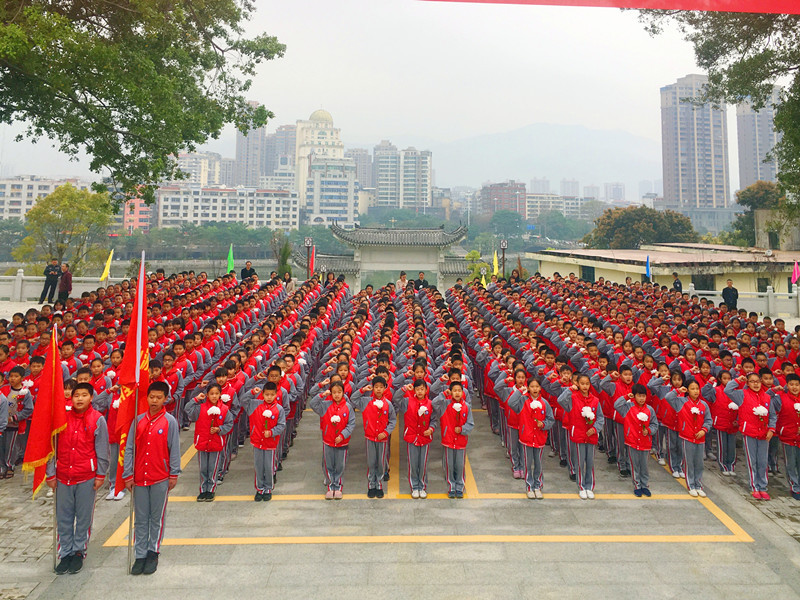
<point>337,420</point>
<point>725,415</point>
<point>267,422</point>
<point>78,470</point>
<point>379,418</point>
<point>788,429</point>
<point>213,422</point>
<point>455,423</point>
<point>154,474</point>
<point>535,419</point>
<point>639,426</point>
<point>419,426</point>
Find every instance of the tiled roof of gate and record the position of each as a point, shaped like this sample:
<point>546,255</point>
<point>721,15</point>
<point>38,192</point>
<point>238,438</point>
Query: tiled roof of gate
<point>381,236</point>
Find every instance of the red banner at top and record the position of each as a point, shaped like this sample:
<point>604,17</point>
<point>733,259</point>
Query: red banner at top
<point>791,7</point>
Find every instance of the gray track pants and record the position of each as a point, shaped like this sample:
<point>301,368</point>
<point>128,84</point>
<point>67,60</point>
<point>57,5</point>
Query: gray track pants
<point>532,458</point>
<point>453,463</point>
<point>377,463</point>
<point>210,464</point>
<point>333,462</point>
<point>726,451</point>
<point>418,467</point>
<point>639,471</point>
<point>264,462</point>
<point>756,452</point>
<point>791,454</point>
<point>693,455</point>
<point>74,515</point>
<point>150,508</point>
<point>584,469</point>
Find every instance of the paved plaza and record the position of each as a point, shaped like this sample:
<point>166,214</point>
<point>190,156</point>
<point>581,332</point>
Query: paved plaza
<point>495,543</point>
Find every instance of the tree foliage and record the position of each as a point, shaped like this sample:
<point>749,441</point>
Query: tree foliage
<point>636,225</point>
<point>132,83</point>
<point>760,195</point>
<point>745,55</point>
<point>508,223</point>
<point>554,225</point>
<point>12,232</point>
<point>70,225</point>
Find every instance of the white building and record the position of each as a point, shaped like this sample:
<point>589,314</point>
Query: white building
<point>615,192</point>
<point>569,206</point>
<point>591,192</point>
<point>250,154</point>
<point>363,160</point>
<point>570,187</point>
<point>202,168</point>
<point>179,204</point>
<point>19,194</point>
<point>318,138</point>
<point>331,193</point>
<point>540,185</point>
<point>386,171</point>
<point>757,138</point>
<point>416,172</point>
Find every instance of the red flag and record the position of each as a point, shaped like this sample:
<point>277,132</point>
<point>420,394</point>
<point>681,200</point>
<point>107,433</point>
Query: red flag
<point>791,7</point>
<point>49,417</point>
<point>313,258</point>
<point>134,372</point>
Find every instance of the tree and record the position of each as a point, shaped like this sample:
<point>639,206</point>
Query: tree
<point>745,55</point>
<point>636,225</point>
<point>70,225</point>
<point>131,83</point>
<point>508,223</point>
<point>760,195</point>
<point>12,232</point>
<point>282,250</point>
<point>555,225</point>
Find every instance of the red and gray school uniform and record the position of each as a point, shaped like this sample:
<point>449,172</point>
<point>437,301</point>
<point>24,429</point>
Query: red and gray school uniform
<point>615,390</point>
<point>378,416</point>
<point>454,414</point>
<point>754,430</point>
<point>334,420</point>
<point>505,389</point>
<point>668,418</point>
<point>725,417</point>
<point>694,416</point>
<point>573,402</point>
<point>158,460</point>
<point>19,407</point>
<point>417,418</point>
<point>266,417</point>
<point>209,446</point>
<point>640,425</point>
<point>788,429</point>
<point>81,459</point>
<point>535,418</point>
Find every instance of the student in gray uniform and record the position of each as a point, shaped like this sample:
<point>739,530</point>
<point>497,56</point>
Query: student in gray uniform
<point>267,421</point>
<point>153,475</point>
<point>639,426</point>
<point>535,420</point>
<point>337,421</point>
<point>694,421</point>
<point>379,419</point>
<point>456,423</point>
<point>76,472</point>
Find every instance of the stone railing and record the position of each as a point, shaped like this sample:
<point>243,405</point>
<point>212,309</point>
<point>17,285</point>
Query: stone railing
<point>769,303</point>
<point>28,288</point>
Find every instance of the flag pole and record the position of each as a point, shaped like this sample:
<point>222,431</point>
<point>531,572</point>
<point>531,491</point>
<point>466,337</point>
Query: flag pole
<point>133,487</point>
<point>55,505</point>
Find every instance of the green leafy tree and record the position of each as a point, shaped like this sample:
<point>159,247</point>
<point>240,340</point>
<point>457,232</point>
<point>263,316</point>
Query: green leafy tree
<point>282,250</point>
<point>760,195</point>
<point>324,241</point>
<point>745,55</point>
<point>131,83</point>
<point>555,225</point>
<point>636,225</point>
<point>70,225</point>
<point>508,223</point>
<point>12,232</point>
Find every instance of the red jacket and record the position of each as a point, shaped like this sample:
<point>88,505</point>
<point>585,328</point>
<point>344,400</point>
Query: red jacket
<point>530,434</point>
<point>725,419</point>
<point>376,420</point>
<point>77,457</point>
<point>259,425</point>
<point>749,424</point>
<point>689,423</point>
<point>416,424</point>
<point>331,430</point>
<point>152,460</point>
<point>450,419</point>
<point>635,427</point>
<point>578,424</point>
<point>204,441</point>
<point>788,426</point>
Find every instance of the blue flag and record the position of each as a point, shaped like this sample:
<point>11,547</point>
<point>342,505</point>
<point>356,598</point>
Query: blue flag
<point>647,267</point>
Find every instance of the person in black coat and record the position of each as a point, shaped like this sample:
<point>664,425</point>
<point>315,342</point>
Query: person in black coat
<point>52,272</point>
<point>730,295</point>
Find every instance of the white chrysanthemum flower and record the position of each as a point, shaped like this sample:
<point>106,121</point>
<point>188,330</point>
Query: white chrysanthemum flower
<point>587,413</point>
<point>643,417</point>
<point>83,356</point>
<point>423,410</point>
<point>535,404</point>
<point>214,410</point>
<point>151,345</point>
<point>28,383</point>
<point>760,411</point>
<point>378,404</point>
<point>115,404</point>
<point>225,398</point>
<point>335,419</point>
<point>267,414</point>
<point>68,407</point>
<point>259,358</point>
<point>695,410</point>
<point>63,362</point>
<point>111,374</point>
<point>797,406</point>
<point>239,334</point>
<point>457,406</point>
<point>733,406</point>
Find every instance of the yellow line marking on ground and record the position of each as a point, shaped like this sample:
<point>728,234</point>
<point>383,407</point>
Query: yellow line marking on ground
<point>574,496</point>
<point>443,539</point>
<point>470,485</point>
<point>188,456</point>
<point>393,488</point>
<point>119,537</point>
<point>488,496</point>
<point>740,534</point>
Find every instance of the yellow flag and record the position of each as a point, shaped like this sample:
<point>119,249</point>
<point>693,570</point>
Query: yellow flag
<point>483,280</point>
<point>496,266</point>
<point>107,270</point>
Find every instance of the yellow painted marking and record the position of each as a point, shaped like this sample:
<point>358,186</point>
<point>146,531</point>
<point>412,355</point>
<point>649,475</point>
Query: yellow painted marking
<point>445,539</point>
<point>725,519</point>
<point>119,537</point>
<point>574,496</point>
<point>188,456</point>
<point>470,485</point>
<point>393,489</point>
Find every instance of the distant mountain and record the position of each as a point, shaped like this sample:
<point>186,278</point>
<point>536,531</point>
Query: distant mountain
<point>591,156</point>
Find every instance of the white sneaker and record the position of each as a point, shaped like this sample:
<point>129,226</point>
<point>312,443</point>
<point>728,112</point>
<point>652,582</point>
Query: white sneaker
<point>120,496</point>
<point>531,494</point>
<point>582,494</point>
<point>676,475</point>
<point>662,462</point>
<point>538,494</point>
<point>701,493</point>
<point>590,494</point>
<point>423,494</point>
<point>682,475</point>
<point>415,494</point>
<point>49,493</point>
<point>111,494</point>
<point>693,493</point>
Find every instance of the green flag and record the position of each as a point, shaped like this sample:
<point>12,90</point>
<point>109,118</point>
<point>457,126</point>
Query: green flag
<point>230,259</point>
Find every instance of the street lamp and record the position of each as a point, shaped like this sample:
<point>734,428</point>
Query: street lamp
<point>503,247</point>
<point>308,242</point>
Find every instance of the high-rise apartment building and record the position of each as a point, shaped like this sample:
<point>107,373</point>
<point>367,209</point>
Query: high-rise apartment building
<point>19,194</point>
<point>694,143</point>
<point>591,192</point>
<point>363,160</point>
<point>415,179</point>
<point>280,147</point>
<point>570,187</point>
<point>615,192</point>
<point>317,138</point>
<point>250,154</point>
<point>757,138</point>
<point>386,171</point>
<point>202,168</point>
<point>331,193</point>
<point>508,195</point>
<point>540,185</point>
<point>227,171</point>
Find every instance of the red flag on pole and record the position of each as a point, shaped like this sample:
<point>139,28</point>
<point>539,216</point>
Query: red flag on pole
<point>313,259</point>
<point>49,417</point>
<point>134,372</point>
<point>791,7</point>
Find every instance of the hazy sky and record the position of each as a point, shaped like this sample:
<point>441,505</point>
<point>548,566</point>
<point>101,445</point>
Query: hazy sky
<point>434,71</point>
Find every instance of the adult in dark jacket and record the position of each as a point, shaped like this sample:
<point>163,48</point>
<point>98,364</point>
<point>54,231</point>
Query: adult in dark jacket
<point>730,295</point>
<point>51,274</point>
<point>65,283</point>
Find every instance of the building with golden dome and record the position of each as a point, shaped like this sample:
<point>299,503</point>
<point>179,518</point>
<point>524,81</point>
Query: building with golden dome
<point>317,138</point>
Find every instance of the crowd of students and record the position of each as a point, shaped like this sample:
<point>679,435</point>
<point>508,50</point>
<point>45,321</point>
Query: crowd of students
<point>631,370</point>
